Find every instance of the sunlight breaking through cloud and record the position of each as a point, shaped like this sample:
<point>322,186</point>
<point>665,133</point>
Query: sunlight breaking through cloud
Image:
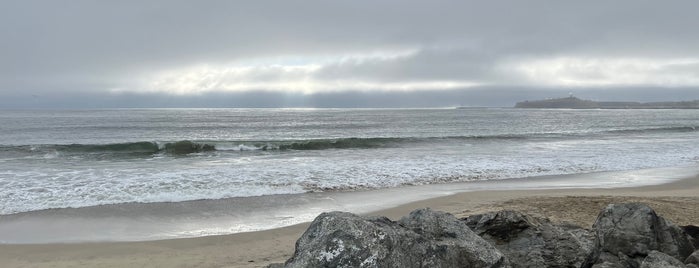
<point>595,72</point>
<point>288,74</point>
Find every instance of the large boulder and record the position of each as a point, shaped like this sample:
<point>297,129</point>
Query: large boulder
<point>531,242</point>
<point>425,238</point>
<point>626,233</point>
<point>656,259</point>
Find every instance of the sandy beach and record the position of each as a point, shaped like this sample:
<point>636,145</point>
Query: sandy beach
<point>371,133</point>
<point>678,201</point>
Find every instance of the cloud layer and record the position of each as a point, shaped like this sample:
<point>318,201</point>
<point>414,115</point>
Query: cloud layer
<point>194,48</point>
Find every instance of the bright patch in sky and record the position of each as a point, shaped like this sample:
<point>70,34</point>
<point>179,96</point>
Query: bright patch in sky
<point>592,72</point>
<point>307,74</point>
<point>288,74</point>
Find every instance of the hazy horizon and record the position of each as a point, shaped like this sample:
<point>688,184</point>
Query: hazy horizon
<point>503,98</point>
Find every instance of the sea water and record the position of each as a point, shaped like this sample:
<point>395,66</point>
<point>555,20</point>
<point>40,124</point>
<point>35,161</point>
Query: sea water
<point>81,158</point>
<point>55,159</point>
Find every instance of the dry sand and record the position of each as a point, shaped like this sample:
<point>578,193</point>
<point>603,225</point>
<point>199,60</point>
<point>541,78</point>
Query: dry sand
<point>677,201</point>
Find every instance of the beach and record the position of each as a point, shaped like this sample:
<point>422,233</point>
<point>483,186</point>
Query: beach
<point>349,134</point>
<point>677,201</point>
<point>238,187</point>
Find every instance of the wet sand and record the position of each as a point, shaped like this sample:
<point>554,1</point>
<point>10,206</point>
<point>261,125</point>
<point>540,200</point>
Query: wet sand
<point>677,201</point>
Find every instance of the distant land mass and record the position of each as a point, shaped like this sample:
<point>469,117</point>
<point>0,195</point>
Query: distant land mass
<point>576,103</point>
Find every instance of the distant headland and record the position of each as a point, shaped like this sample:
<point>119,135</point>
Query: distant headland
<point>572,102</point>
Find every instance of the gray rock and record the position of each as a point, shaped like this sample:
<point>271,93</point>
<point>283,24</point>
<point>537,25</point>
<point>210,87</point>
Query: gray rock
<point>608,265</point>
<point>530,242</point>
<point>656,259</point>
<point>424,238</point>
<point>693,258</point>
<point>627,233</point>
<point>693,232</point>
<point>452,240</point>
<point>619,260</point>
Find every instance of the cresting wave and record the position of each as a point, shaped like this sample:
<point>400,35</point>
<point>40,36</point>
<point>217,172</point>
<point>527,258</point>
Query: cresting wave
<point>144,147</point>
<point>185,147</point>
<point>659,130</point>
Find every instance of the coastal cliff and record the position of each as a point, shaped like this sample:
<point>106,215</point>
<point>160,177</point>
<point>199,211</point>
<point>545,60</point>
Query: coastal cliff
<point>576,103</point>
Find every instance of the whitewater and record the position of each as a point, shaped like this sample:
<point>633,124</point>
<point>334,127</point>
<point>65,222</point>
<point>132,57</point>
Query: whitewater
<point>80,158</point>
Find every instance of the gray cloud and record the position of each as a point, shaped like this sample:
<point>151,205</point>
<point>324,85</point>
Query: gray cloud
<point>92,49</point>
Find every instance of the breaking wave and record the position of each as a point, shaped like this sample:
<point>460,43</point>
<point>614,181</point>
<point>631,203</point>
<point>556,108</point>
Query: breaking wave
<point>185,147</point>
<point>655,130</point>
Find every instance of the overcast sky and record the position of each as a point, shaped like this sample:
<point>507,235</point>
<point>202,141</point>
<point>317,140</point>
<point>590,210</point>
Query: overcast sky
<point>85,54</point>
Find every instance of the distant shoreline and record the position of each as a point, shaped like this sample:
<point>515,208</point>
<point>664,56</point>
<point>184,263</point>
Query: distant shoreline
<point>576,103</point>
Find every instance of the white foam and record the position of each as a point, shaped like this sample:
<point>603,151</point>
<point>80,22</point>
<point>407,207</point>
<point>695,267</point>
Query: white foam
<point>63,182</point>
<point>236,147</point>
<point>51,155</point>
<point>226,216</point>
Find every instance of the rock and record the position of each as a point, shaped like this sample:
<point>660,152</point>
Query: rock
<point>656,259</point>
<point>693,259</point>
<point>530,242</point>
<point>424,238</point>
<point>452,240</point>
<point>693,232</point>
<point>502,225</point>
<point>626,233</point>
<point>608,265</point>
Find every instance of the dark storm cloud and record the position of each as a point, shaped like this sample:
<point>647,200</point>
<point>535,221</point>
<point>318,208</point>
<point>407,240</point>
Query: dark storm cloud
<point>91,49</point>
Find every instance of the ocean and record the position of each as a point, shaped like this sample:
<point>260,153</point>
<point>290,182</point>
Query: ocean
<point>125,159</point>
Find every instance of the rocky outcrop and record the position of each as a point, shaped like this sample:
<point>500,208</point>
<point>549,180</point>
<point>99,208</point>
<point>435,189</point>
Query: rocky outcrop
<point>425,238</point>
<point>533,242</point>
<point>625,234</point>
<point>657,259</point>
<point>576,103</point>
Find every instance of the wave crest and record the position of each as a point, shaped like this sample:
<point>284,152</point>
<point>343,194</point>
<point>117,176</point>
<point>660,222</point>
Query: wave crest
<point>185,147</point>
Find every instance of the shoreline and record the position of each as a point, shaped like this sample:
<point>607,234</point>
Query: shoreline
<point>677,200</point>
<point>130,222</point>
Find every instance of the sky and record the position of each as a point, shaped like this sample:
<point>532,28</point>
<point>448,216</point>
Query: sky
<point>169,53</point>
